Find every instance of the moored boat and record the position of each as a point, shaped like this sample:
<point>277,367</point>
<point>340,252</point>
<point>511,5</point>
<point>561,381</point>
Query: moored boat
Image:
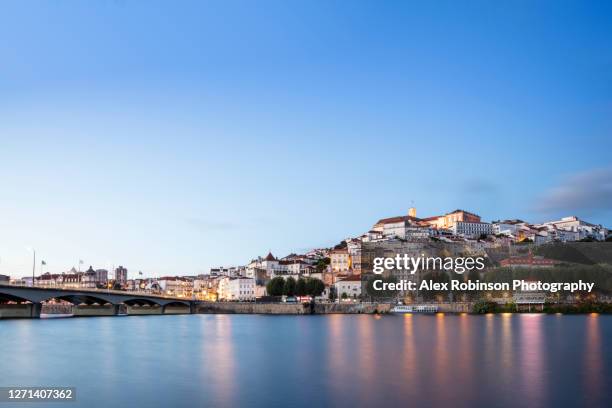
<point>415,309</point>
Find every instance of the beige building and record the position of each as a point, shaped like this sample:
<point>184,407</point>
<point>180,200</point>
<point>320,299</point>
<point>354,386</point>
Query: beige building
<point>340,261</point>
<point>448,221</point>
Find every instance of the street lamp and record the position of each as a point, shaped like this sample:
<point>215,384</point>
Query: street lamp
<point>33,263</point>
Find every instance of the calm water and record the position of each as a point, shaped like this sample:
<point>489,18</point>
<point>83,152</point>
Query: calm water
<point>311,361</point>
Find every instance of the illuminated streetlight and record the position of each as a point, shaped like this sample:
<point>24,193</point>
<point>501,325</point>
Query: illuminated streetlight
<point>33,262</point>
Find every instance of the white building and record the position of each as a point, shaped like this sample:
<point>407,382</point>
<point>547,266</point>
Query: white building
<point>231,271</point>
<point>403,227</point>
<point>350,285</point>
<point>270,264</point>
<point>507,227</point>
<point>237,289</point>
<point>553,233</point>
<point>372,236</point>
<point>294,267</point>
<point>583,228</point>
<point>472,229</point>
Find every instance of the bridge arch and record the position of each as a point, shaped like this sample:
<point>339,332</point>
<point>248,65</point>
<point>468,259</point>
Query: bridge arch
<point>141,302</point>
<point>6,297</point>
<point>177,303</point>
<point>37,295</point>
<point>80,299</point>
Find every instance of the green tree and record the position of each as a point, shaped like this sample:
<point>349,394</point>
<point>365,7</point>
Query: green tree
<point>332,293</point>
<point>275,286</point>
<point>289,287</point>
<point>314,286</point>
<point>344,295</point>
<point>300,287</point>
<point>341,245</point>
<point>322,264</point>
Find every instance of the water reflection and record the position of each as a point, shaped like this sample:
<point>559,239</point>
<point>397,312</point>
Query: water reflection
<point>410,362</point>
<point>218,359</point>
<point>593,361</point>
<point>335,360</point>
<point>506,356</point>
<point>442,352</point>
<point>532,358</point>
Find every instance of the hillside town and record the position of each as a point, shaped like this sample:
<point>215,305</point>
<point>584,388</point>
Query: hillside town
<point>338,268</point>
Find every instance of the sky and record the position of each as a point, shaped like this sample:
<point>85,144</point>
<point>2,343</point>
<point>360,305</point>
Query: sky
<point>171,137</point>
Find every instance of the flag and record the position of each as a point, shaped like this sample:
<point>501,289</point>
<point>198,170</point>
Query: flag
<point>140,273</point>
<point>81,262</point>
<point>43,263</point>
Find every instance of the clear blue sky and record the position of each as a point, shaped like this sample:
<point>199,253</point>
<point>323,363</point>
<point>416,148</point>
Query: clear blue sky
<point>174,136</point>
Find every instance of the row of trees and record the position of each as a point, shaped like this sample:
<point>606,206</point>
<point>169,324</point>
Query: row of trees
<point>290,287</point>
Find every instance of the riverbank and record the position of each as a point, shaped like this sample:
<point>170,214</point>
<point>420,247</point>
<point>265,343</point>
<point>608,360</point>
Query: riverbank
<point>291,308</point>
<point>382,308</point>
<point>546,308</point>
<point>65,310</point>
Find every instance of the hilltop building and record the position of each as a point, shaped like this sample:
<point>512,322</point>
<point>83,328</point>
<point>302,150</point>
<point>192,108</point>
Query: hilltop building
<point>583,228</point>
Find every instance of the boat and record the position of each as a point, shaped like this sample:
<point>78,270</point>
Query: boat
<point>415,309</point>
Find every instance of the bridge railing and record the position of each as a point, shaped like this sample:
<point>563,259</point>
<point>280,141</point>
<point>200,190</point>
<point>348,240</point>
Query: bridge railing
<point>96,290</point>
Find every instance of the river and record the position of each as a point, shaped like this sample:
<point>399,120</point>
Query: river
<point>527,360</point>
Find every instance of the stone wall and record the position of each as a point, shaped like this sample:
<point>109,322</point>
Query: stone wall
<point>144,310</point>
<point>18,311</point>
<point>253,308</point>
<point>95,310</point>
<point>176,310</point>
<point>351,308</point>
<point>292,308</point>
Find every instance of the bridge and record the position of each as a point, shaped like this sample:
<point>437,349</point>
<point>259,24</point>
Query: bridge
<point>26,302</point>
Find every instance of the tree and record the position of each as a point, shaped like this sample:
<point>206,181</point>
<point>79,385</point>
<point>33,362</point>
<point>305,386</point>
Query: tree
<point>332,293</point>
<point>275,286</point>
<point>314,286</point>
<point>289,286</point>
<point>300,287</point>
<point>322,264</point>
<point>341,245</point>
<point>344,295</point>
